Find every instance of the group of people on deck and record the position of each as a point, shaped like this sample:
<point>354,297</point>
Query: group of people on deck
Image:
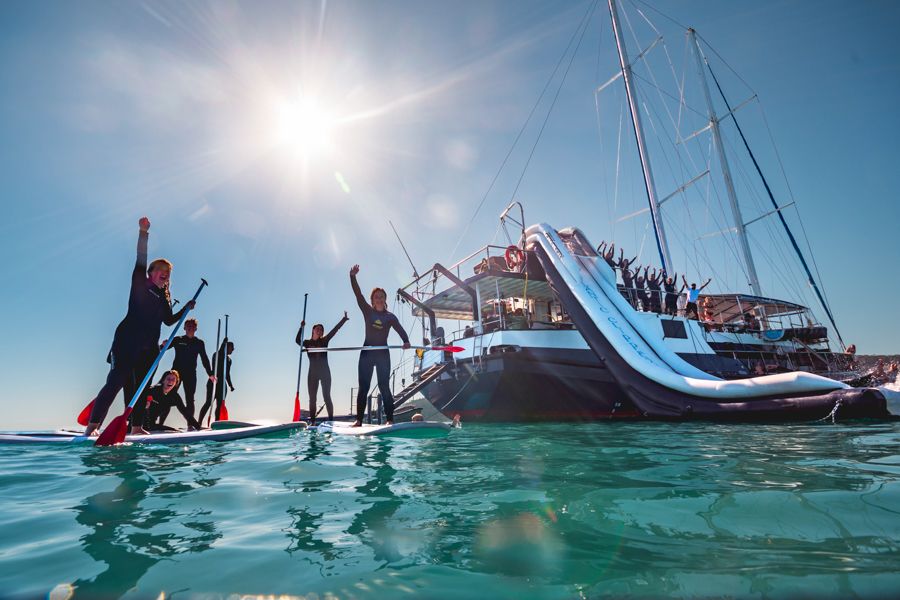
<point>135,349</point>
<point>654,291</point>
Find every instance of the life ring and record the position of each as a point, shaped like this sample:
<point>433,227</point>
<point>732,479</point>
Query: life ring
<point>515,258</point>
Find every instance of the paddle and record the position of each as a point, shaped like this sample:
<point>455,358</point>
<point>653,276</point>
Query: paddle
<point>223,411</point>
<point>215,362</point>
<point>436,348</point>
<point>115,432</point>
<point>300,362</point>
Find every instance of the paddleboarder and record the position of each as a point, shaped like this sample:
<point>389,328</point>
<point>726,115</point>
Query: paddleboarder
<point>223,376</point>
<point>378,322</point>
<point>150,415</point>
<point>187,348</point>
<point>134,347</point>
<point>319,372</point>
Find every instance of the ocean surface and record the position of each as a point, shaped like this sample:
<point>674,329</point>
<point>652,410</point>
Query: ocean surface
<point>492,511</point>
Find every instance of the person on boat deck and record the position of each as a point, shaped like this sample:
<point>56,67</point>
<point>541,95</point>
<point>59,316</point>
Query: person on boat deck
<point>671,294</point>
<point>707,314</point>
<point>628,276</point>
<point>319,372</point>
<point>654,283</point>
<point>751,321</point>
<point>134,346</point>
<point>187,348</point>
<point>150,414</point>
<point>223,376</point>
<point>851,356</point>
<point>640,288</point>
<point>608,254</point>
<point>693,294</point>
<point>378,322</point>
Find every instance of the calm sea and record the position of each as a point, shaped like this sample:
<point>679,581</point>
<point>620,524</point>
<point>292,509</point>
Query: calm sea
<point>505,511</point>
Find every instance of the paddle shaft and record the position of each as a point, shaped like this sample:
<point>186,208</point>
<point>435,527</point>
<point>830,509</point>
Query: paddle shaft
<point>302,327</point>
<point>140,388</point>
<point>215,362</point>
<point>438,348</point>
<point>225,370</point>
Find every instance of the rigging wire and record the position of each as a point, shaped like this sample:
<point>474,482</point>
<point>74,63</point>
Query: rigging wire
<point>534,108</point>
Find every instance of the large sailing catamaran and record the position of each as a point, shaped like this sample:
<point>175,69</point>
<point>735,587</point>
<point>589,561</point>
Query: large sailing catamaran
<point>550,335</point>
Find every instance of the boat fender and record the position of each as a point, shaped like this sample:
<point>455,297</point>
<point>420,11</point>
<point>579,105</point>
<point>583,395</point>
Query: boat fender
<point>515,258</point>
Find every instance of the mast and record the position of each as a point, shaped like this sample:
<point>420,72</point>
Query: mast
<point>739,226</point>
<point>661,244</point>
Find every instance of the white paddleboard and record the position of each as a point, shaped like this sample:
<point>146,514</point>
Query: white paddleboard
<point>181,437</point>
<point>417,429</point>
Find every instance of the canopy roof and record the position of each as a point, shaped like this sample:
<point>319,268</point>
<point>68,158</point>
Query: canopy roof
<point>733,307</point>
<point>455,302</point>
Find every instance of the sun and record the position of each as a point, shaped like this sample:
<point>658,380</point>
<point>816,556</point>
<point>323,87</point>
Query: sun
<point>304,128</point>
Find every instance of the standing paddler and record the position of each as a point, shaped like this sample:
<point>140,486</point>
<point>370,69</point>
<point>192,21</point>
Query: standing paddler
<point>319,371</point>
<point>135,343</point>
<point>187,348</point>
<point>378,322</point>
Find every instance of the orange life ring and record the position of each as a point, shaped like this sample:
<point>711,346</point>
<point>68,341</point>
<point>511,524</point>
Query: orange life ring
<point>515,258</point>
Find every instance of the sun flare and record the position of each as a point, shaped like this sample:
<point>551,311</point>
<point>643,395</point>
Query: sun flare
<point>305,128</point>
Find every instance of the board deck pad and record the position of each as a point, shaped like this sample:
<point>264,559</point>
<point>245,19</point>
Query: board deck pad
<point>419,429</point>
<point>181,437</point>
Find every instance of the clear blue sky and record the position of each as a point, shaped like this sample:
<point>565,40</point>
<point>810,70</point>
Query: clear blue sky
<point>178,111</point>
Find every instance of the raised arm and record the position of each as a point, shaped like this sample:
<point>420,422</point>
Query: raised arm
<point>140,265</point>
<point>335,329</point>
<point>299,338</point>
<point>706,284</point>
<point>360,299</point>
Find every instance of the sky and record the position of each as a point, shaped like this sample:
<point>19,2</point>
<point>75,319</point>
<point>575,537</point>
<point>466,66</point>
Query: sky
<point>270,143</point>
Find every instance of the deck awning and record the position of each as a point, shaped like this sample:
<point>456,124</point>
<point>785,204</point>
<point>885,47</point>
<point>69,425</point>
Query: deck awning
<point>456,303</point>
<point>733,307</point>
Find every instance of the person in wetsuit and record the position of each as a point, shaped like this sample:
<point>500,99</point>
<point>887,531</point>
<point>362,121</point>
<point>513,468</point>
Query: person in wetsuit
<point>135,343</point>
<point>150,414</point>
<point>671,294</point>
<point>223,376</point>
<point>378,322</point>
<point>187,348</point>
<point>640,289</point>
<point>628,277</point>
<point>654,283</point>
<point>319,372</point>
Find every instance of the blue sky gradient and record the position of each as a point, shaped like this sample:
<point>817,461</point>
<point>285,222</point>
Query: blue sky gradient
<point>111,111</point>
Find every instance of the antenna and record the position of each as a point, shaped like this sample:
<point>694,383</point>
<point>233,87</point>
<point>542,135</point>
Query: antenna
<point>415,271</point>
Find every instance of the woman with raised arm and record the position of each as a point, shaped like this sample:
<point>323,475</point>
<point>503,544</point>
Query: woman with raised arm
<point>378,322</point>
<point>319,371</point>
<point>654,283</point>
<point>136,341</point>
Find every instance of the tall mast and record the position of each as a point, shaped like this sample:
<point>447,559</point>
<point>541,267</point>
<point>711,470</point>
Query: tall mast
<point>661,244</point>
<point>739,226</point>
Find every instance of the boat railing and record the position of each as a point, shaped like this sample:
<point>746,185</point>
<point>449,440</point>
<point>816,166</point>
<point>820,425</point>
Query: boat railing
<point>488,257</point>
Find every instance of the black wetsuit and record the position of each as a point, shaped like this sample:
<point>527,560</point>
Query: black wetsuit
<point>653,285</point>
<point>378,326</point>
<point>641,292</point>
<point>319,372</point>
<point>187,349</point>
<point>136,341</point>
<point>628,280</point>
<point>223,378</point>
<point>671,297</point>
<point>151,412</point>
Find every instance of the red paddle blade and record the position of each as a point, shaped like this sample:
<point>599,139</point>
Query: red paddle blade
<point>297,408</point>
<point>115,431</point>
<point>448,348</point>
<point>84,416</point>
<point>223,414</point>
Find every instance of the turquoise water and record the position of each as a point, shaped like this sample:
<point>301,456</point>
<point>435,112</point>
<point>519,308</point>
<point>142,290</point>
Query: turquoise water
<point>505,511</point>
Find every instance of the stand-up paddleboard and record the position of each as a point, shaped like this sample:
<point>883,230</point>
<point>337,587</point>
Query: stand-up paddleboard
<point>418,429</point>
<point>181,437</point>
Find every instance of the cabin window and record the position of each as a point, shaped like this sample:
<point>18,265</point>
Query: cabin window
<point>673,329</point>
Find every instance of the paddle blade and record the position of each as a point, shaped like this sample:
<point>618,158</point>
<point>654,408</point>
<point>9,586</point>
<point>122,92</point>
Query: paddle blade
<point>448,348</point>
<point>223,414</point>
<point>115,432</point>
<point>84,417</point>
<point>297,407</point>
